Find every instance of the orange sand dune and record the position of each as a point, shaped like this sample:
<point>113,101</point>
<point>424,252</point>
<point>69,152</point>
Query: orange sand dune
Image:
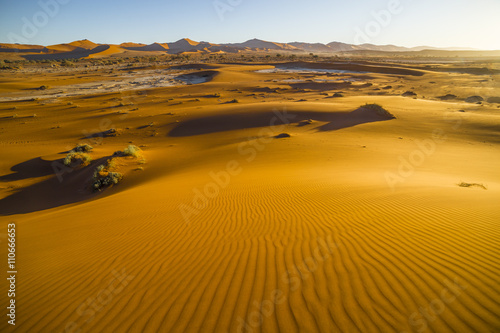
<point>5,47</point>
<point>190,42</point>
<point>84,43</point>
<point>354,222</point>
<point>105,50</point>
<point>130,44</point>
<point>73,46</point>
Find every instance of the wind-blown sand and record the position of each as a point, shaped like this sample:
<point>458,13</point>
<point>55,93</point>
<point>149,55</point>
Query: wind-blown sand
<point>354,223</point>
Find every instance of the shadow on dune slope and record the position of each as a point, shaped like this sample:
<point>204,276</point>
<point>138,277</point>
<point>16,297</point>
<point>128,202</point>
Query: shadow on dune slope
<point>69,187</point>
<point>34,168</point>
<point>355,67</point>
<point>244,120</point>
<point>77,53</point>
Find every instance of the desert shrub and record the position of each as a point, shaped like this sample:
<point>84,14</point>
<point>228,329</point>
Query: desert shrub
<point>4,64</point>
<point>463,184</point>
<point>74,159</point>
<point>82,148</point>
<point>447,97</point>
<point>408,93</point>
<point>378,109</point>
<point>305,122</point>
<point>104,176</point>
<point>111,178</point>
<point>474,99</point>
<point>234,101</point>
<point>66,63</point>
<point>131,150</point>
<point>78,156</point>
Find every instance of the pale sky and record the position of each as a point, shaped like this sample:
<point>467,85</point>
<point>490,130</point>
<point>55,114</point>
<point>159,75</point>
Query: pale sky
<point>440,23</point>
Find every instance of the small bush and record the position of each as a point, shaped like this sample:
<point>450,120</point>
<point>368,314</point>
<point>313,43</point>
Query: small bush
<point>408,94</point>
<point>83,148</point>
<point>463,184</point>
<point>474,99</point>
<point>78,156</point>
<point>378,109</point>
<point>111,178</point>
<point>74,159</point>
<point>132,150</point>
<point>447,97</point>
<point>105,177</point>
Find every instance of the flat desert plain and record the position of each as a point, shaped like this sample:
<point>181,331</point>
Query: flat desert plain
<point>259,197</point>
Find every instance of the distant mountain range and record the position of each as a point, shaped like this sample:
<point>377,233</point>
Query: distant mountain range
<point>86,48</point>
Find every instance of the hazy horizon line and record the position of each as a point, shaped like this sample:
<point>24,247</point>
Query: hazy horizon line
<point>456,48</point>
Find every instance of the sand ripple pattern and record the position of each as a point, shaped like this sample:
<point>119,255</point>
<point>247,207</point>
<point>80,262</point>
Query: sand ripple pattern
<point>277,257</point>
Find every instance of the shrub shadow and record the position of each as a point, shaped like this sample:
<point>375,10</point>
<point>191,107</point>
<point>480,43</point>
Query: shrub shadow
<point>59,190</point>
<point>34,168</point>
